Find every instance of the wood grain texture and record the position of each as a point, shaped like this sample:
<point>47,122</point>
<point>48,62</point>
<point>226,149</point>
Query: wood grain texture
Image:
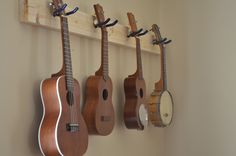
<point>135,87</point>
<point>37,13</point>
<point>70,143</point>
<point>133,100</point>
<point>154,103</point>
<point>96,107</point>
<point>154,110</point>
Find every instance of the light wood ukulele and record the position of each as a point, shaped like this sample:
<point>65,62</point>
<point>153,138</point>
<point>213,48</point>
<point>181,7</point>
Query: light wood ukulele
<point>98,110</point>
<point>160,104</point>
<point>62,130</point>
<point>135,113</point>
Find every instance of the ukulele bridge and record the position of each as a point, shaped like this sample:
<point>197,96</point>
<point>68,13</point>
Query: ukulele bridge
<point>105,118</point>
<point>72,127</point>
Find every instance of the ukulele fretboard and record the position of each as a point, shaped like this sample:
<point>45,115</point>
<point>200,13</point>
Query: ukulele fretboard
<point>139,59</point>
<point>105,68</point>
<point>67,53</point>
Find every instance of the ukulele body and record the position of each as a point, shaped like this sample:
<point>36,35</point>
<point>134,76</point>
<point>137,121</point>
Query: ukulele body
<point>54,138</point>
<point>160,106</point>
<point>135,96</point>
<point>98,110</point>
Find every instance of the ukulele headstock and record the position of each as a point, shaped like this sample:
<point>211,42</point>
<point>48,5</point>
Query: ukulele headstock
<point>132,22</point>
<point>99,13</point>
<point>57,5</point>
<point>158,39</point>
<point>58,8</point>
<point>157,32</point>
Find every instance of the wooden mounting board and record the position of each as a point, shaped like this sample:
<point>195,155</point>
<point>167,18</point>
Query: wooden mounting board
<point>36,12</point>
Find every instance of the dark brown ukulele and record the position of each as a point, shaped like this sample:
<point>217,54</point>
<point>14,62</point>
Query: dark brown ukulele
<point>160,105</point>
<point>98,110</point>
<point>135,113</point>
<point>62,130</point>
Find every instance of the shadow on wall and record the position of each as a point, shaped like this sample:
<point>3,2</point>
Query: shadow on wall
<point>36,66</point>
<point>33,135</point>
<point>118,88</point>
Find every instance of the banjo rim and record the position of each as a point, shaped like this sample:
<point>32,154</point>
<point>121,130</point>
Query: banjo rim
<point>159,122</point>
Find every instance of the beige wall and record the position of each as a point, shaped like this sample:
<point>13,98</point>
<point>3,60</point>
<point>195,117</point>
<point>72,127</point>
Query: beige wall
<point>201,63</point>
<point>202,76</point>
<point>30,54</point>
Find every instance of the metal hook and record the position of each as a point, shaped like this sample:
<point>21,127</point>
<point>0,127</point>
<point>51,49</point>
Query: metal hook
<point>159,42</point>
<point>102,23</point>
<point>112,24</point>
<point>163,41</point>
<point>72,12</point>
<point>167,42</point>
<point>134,33</point>
<point>143,33</point>
<point>58,11</point>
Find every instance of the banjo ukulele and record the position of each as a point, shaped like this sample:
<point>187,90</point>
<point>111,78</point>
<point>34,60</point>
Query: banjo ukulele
<point>160,105</point>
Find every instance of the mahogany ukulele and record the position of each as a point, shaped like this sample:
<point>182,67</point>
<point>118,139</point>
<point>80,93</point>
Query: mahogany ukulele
<point>98,110</point>
<point>62,130</point>
<point>135,113</point>
<point>160,105</point>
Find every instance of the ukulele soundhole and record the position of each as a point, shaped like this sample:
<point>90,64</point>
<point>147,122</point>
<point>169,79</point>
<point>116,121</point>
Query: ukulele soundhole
<point>70,98</point>
<point>141,92</point>
<point>105,94</point>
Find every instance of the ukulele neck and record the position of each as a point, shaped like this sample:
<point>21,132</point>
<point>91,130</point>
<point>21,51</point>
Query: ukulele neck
<point>139,71</point>
<point>67,64</point>
<point>104,69</point>
<point>163,67</point>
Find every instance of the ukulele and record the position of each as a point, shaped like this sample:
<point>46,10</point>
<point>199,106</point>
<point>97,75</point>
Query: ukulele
<point>98,110</point>
<point>135,113</point>
<point>160,105</point>
<point>62,129</point>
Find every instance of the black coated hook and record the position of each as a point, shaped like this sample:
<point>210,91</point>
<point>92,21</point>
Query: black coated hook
<point>105,23</point>
<point>138,33</point>
<point>112,24</point>
<point>102,23</point>
<point>59,11</point>
<point>143,33</point>
<point>163,41</point>
<point>134,33</point>
<point>73,11</point>
<point>159,42</point>
<point>167,42</point>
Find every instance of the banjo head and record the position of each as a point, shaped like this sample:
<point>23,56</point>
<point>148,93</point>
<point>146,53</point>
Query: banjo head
<point>166,108</point>
<point>143,115</point>
<point>160,108</point>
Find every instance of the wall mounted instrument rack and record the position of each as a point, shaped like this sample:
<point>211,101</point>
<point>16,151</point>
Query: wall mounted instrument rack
<point>38,13</point>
